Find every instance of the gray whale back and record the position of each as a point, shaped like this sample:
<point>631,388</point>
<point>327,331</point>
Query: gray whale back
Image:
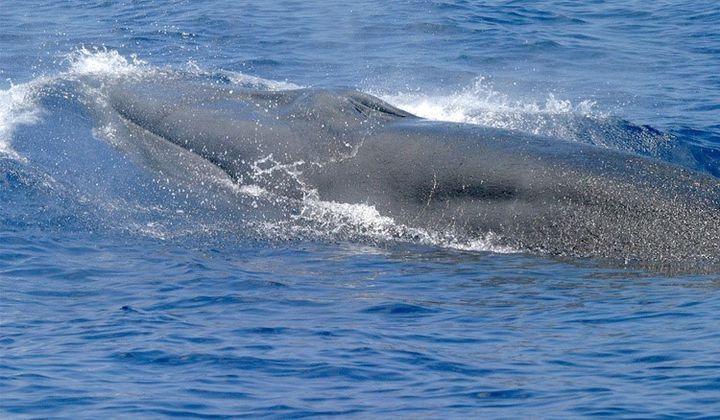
<point>534,193</point>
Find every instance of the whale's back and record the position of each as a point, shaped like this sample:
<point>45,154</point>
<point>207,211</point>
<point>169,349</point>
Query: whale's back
<point>534,193</point>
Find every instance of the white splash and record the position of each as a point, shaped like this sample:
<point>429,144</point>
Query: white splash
<point>487,243</point>
<point>17,107</point>
<point>101,62</point>
<point>480,103</point>
<point>334,217</point>
<point>252,190</point>
<point>363,221</point>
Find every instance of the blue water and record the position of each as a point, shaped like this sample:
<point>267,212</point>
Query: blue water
<point>125,292</point>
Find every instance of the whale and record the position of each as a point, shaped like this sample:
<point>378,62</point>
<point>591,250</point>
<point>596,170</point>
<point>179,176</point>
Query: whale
<point>532,193</point>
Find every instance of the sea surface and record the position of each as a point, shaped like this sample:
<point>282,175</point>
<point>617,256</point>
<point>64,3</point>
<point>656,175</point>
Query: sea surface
<point>126,292</point>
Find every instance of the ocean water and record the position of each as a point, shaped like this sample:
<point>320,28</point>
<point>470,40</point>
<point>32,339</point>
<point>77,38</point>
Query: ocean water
<point>131,292</point>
